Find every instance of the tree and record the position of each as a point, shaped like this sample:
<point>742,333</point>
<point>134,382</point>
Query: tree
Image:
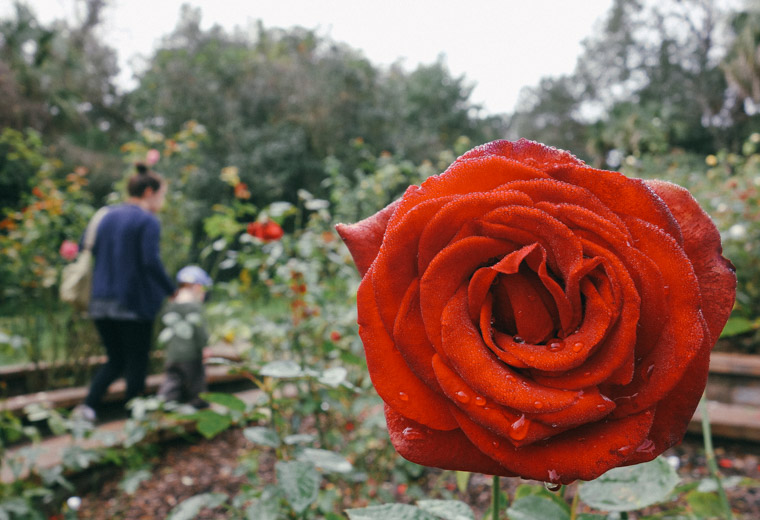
<point>276,103</point>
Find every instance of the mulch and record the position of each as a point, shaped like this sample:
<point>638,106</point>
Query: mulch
<point>184,469</point>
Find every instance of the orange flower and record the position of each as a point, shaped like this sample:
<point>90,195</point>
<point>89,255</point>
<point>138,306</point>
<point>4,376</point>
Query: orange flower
<point>525,314</point>
<point>241,191</point>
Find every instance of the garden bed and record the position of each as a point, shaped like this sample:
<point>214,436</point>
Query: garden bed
<point>183,470</point>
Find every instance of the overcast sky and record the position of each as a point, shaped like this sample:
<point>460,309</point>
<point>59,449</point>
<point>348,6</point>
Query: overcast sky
<point>500,46</point>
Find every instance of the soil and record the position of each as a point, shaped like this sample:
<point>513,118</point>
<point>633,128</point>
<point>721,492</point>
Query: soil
<point>186,469</point>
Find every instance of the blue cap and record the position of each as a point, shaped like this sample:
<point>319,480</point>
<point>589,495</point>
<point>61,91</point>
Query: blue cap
<point>193,274</point>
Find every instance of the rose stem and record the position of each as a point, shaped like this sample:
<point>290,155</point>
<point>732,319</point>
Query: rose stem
<point>710,456</point>
<point>495,492</point>
<point>574,505</point>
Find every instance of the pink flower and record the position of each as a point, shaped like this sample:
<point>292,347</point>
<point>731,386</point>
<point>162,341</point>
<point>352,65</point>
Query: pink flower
<point>152,156</point>
<point>69,250</point>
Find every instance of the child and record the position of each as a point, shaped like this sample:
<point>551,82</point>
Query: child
<point>185,335</point>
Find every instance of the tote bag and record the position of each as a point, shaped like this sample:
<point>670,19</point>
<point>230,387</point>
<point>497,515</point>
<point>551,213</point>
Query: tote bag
<point>76,278</point>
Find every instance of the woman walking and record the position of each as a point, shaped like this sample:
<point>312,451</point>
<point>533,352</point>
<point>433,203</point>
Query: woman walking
<point>129,286</point>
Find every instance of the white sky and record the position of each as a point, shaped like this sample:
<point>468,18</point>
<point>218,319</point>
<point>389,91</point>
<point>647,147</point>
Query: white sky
<point>498,45</point>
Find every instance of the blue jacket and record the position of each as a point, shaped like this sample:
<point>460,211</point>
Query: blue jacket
<point>128,269</point>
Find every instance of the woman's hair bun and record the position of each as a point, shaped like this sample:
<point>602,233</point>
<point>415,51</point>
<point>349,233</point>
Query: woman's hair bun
<point>141,167</point>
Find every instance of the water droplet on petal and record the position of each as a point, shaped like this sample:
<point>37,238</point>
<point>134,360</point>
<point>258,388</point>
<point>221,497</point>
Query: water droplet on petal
<point>646,447</point>
<point>553,476</point>
<point>479,401</point>
<point>495,444</point>
<point>551,486</point>
<point>518,339</point>
<point>624,451</point>
<point>519,429</point>
<point>601,406</point>
<point>555,346</point>
<point>403,396</point>
<point>532,359</point>
<point>412,434</point>
<point>538,405</point>
<point>462,397</point>
<point>649,371</point>
<point>578,347</point>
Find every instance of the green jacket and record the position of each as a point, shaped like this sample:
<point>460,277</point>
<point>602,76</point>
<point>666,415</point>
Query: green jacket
<point>184,333</point>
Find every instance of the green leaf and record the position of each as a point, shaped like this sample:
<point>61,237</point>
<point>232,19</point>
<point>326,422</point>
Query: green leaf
<point>300,483</point>
<point>227,400</point>
<point>281,369</point>
<point>263,436</point>
<point>632,487</point>
<point>526,490</point>
<point>263,510</point>
<point>447,509</point>
<point>325,460</point>
<point>738,325</point>
<point>333,377</point>
<point>133,479</point>
<point>705,505</point>
<point>189,509</point>
<point>536,507</point>
<point>210,423</point>
<point>388,511</point>
<point>299,438</point>
<point>709,484</point>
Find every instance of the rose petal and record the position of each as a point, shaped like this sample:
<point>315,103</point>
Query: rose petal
<point>498,419</point>
<point>364,238</point>
<point>583,453</point>
<point>683,334</point>
<point>464,351</point>
<point>716,275</point>
<point>411,340</point>
<point>674,411</point>
<point>623,195</point>
<point>449,271</point>
<point>439,449</point>
<point>524,151</point>
<point>469,176</point>
<point>394,381</point>
<point>396,265</point>
<point>450,218</point>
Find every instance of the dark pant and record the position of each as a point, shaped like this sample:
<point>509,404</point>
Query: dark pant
<point>127,344</point>
<point>184,381</point>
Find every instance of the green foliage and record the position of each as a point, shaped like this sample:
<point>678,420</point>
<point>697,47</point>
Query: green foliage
<point>398,511</point>
<point>189,509</point>
<point>534,507</point>
<point>727,186</point>
<point>300,483</point>
<point>632,487</point>
<point>277,103</point>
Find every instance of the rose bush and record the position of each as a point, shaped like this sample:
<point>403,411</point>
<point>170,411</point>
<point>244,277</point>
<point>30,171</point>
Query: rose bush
<point>266,231</point>
<point>524,314</point>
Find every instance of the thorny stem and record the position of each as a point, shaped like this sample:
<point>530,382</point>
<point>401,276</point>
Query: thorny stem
<point>495,495</point>
<point>710,456</point>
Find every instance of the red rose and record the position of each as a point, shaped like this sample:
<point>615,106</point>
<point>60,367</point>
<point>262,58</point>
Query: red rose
<point>526,315</point>
<point>272,231</point>
<point>266,231</point>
